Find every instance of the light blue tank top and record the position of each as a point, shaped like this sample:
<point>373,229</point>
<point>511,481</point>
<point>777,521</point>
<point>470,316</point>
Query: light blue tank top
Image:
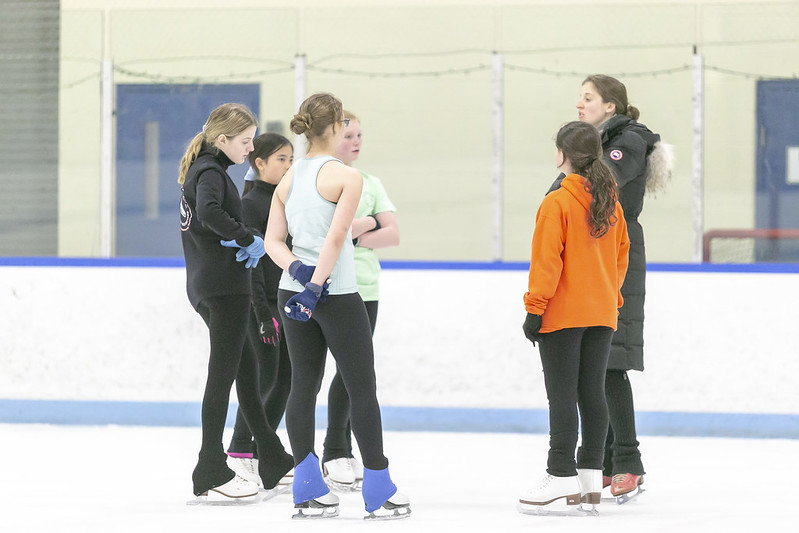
<point>309,216</point>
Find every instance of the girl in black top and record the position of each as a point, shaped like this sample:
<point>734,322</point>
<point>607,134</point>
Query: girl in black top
<point>219,251</point>
<point>271,158</point>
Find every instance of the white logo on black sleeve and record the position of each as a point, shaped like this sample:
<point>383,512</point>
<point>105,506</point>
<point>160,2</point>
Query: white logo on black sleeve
<point>185,214</point>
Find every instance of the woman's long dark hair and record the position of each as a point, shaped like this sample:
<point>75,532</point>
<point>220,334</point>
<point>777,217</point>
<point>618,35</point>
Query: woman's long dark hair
<point>264,145</point>
<point>581,145</point>
<point>613,91</point>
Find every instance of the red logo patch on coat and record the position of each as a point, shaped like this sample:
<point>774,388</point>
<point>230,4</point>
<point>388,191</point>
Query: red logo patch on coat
<point>616,155</point>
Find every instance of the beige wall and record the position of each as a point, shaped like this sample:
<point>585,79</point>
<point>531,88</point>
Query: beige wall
<point>427,136</point>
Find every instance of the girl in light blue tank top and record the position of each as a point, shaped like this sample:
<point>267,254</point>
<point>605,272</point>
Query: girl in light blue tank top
<point>319,301</point>
<point>308,216</point>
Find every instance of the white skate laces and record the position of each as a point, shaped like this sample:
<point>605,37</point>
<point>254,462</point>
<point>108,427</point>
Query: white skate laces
<point>339,471</point>
<point>246,467</point>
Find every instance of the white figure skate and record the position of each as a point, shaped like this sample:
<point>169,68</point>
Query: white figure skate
<point>246,467</point>
<point>398,506</point>
<point>237,491</point>
<point>553,496</point>
<point>322,507</point>
<point>339,475</point>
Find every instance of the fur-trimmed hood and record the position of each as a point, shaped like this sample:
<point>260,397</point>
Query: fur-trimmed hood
<point>659,166</point>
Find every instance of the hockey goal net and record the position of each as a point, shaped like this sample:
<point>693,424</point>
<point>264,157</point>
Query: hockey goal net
<point>751,246</point>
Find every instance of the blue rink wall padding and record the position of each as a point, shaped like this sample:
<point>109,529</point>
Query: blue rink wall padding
<point>177,262</point>
<point>72,412</point>
<point>422,419</point>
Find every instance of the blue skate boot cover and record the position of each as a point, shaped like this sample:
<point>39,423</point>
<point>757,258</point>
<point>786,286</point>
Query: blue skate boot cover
<point>377,488</point>
<point>308,482</point>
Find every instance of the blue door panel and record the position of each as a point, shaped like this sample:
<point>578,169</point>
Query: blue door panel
<point>180,111</point>
<point>776,200</point>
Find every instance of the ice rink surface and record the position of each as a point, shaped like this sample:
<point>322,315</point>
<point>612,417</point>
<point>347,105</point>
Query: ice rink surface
<point>63,479</point>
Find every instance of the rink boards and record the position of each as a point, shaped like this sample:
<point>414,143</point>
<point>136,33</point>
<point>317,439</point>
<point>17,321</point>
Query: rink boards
<point>116,342</point>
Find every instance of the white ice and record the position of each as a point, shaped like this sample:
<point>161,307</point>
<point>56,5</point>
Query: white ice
<point>63,479</point>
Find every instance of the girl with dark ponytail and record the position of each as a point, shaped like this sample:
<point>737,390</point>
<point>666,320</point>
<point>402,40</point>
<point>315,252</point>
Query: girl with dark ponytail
<point>579,260</point>
<point>582,148</point>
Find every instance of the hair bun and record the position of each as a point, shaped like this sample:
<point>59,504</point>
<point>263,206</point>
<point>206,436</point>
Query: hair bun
<point>301,123</point>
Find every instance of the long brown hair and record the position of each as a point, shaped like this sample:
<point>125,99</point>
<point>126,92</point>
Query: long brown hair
<point>581,145</point>
<point>613,91</point>
<point>228,120</point>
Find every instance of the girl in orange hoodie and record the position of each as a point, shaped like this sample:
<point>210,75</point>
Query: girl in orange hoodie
<point>579,259</point>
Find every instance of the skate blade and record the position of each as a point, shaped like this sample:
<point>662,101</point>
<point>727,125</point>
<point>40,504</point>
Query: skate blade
<point>630,496</point>
<point>216,499</point>
<point>390,513</point>
<point>343,487</point>
<point>267,494</point>
<point>557,510</point>
<point>324,511</point>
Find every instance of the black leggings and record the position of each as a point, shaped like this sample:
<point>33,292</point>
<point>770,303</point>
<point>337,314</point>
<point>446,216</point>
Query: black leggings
<point>232,358</point>
<point>338,441</point>
<point>574,361</point>
<point>622,455</point>
<point>342,325</point>
<point>274,383</point>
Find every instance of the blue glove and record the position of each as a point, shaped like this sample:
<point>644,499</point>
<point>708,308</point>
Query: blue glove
<point>256,249</point>
<point>301,306</point>
<point>251,254</point>
<point>325,292</point>
<point>301,272</point>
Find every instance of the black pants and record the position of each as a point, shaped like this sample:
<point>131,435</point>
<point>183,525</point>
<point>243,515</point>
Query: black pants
<point>232,358</point>
<point>338,441</point>
<point>274,383</point>
<point>621,447</point>
<point>342,325</point>
<point>575,361</point>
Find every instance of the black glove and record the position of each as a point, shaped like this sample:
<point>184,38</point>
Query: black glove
<point>531,326</point>
<point>269,330</point>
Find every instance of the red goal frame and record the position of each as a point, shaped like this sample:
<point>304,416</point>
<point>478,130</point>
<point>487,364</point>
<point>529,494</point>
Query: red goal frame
<point>744,234</point>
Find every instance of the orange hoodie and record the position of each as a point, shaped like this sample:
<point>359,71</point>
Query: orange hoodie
<point>575,279</point>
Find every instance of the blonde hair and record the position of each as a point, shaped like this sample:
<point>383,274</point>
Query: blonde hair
<point>350,115</point>
<point>316,113</point>
<point>228,120</point>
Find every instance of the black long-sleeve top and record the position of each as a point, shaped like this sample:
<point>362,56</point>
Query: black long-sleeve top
<point>266,276</point>
<point>211,211</point>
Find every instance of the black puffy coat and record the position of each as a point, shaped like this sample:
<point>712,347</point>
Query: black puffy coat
<point>626,145</point>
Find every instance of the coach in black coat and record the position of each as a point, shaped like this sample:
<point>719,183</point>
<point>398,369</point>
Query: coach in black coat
<point>626,145</point>
<point>641,164</point>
